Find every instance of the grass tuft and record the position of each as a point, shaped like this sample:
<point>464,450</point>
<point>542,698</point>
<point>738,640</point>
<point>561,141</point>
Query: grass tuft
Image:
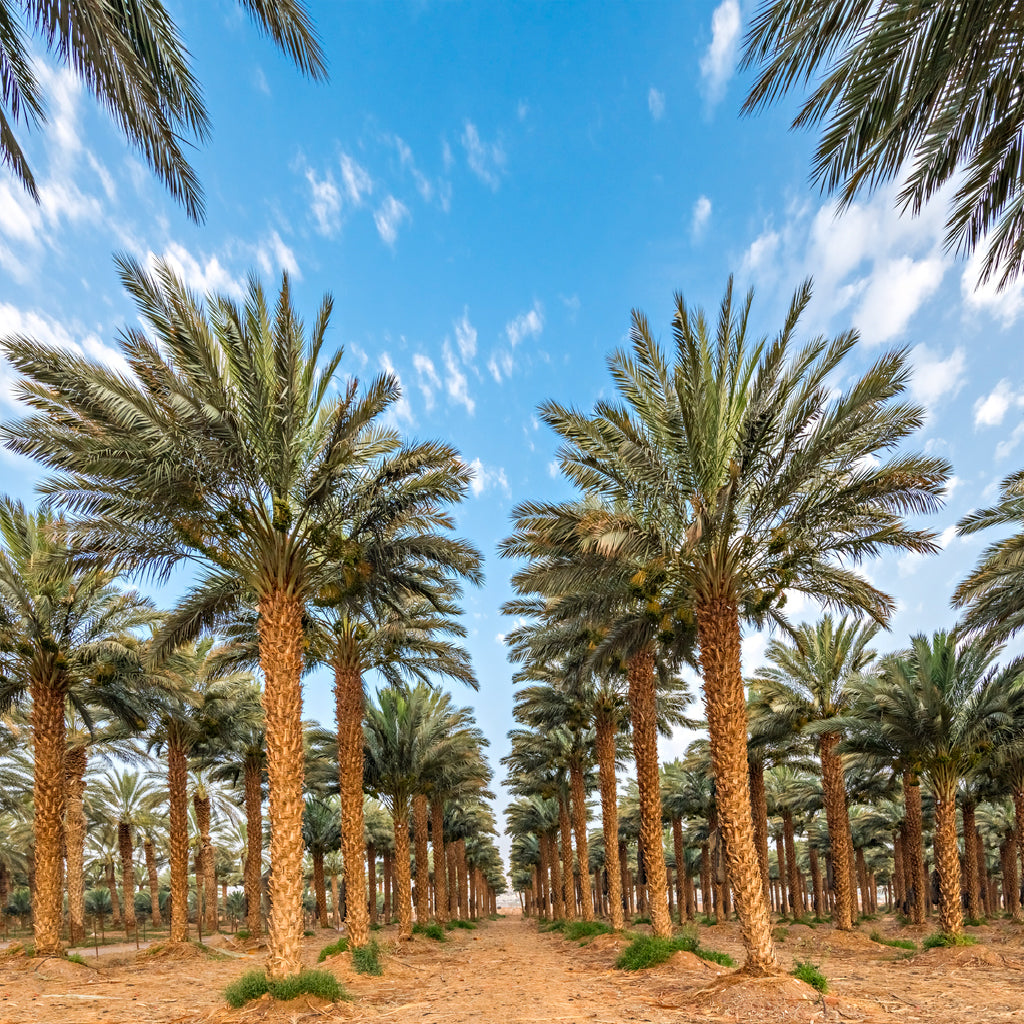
<point>585,930</point>
<point>432,931</point>
<point>242,933</point>
<point>335,947</point>
<point>77,958</point>
<point>649,950</point>
<point>780,934</point>
<point>643,919</point>
<point>937,939</point>
<point>470,927</point>
<point>366,959</point>
<point>974,922</point>
<point>877,936</point>
<point>805,971</point>
<point>254,984</point>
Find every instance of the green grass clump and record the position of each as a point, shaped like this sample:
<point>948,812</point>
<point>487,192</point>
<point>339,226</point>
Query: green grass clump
<point>432,931</point>
<point>585,930</point>
<point>557,925</point>
<point>937,939</point>
<point>707,920</point>
<point>470,927</point>
<point>642,920</point>
<point>974,922</point>
<point>254,984</point>
<point>366,959</point>
<point>780,934</point>
<point>877,936</point>
<point>76,958</point>
<point>649,950</point>
<point>242,933</point>
<point>335,947</point>
<point>804,970</point>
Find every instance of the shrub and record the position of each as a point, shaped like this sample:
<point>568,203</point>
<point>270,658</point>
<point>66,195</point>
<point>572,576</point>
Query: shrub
<point>557,925</point>
<point>877,936</point>
<point>810,973</point>
<point>254,984</point>
<point>649,950</point>
<point>585,929</point>
<point>76,958</point>
<point>469,926</point>
<point>335,947</point>
<point>948,941</point>
<point>366,959</point>
<point>432,931</point>
<point>689,941</point>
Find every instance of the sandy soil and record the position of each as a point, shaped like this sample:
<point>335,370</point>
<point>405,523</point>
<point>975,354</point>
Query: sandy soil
<point>506,972</point>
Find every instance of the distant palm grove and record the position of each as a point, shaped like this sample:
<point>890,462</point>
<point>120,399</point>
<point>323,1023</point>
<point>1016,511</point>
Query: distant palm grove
<point>158,778</point>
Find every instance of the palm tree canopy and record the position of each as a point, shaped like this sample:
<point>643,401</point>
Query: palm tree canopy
<point>130,55</point>
<point>923,93</point>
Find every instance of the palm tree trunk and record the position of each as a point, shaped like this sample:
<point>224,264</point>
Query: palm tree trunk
<point>913,849</point>
<point>780,856</point>
<point>348,709</point>
<point>542,871</point>
<point>440,859</point>
<point>644,716</point>
<point>982,872</point>
<point>579,825</point>
<point>49,744</point>
<point>281,643</point>
<point>335,905</point>
<point>201,802</point>
<point>759,812</point>
<point>253,847</point>
<point>604,725</point>
<point>461,868</point>
<point>177,789</point>
<point>677,849</point>
<point>568,883</point>
<point>947,860</point>
<point>126,849</point>
<point>837,818</point>
<point>971,860</point>
<point>115,900</point>
<point>819,894</point>
<point>371,877</point>
<point>320,887</point>
<point>420,831</point>
<point>388,908</point>
<point>557,892</point>
<point>718,630</point>
<point>154,883</point>
<point>897,869</point>
<point>402,865</point>
<point>862,881</point>
<point>793,875</point>
<point>1018,813</point>
<point>75,764</point>
<point>1011,879</point>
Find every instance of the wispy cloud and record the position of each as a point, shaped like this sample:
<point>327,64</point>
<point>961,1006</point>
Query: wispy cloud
<point>486,159</point>
<point>456,382</point>
<point>501,364</point>
<point>426,378</point>
<point>326,203</point>
<point>719,60</point>
<point>485,477</point>
<point>656,103</point>
<point>526,325</point>
<point>701,216</point>
<point>401,411</point>
<point>388,217</point>
<point>465,336</point>
<point>990,409</point>
<point>356,180</point>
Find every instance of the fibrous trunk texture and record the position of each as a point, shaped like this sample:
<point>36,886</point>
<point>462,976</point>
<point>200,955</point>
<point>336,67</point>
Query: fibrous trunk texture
<point>725,702</point>
<point>947,861</point>
<point>126,849</point>
<point>371,878</point>
<point>281,643</point>
<point>253,848</point>
<point>568,883</point>
<point>440,859</point>
<point>837,817</point>
<point>49,742</point>
<point>759,812</point>
<point>403,880</point>
<point>420,831</point>
<point>579,827</point>
<point>677,849</point>
<point>201,802</point>
<point>115,900</point>
<point>644,716</point>
<point>971,860</point>
<point>154,883</point>
<point>75,764</point>
<point>320,888</point>
<point>913,847</point>
<point>819,894</point>
<point>177,788</point>
<point>792,875</point>
<point>348,709</point>
<point>605,730</point>
<point>557,892</point>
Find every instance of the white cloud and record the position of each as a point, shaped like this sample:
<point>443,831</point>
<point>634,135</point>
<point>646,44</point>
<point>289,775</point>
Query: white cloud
<point>486,159</point>
<point>934,377</point>
<point>894,292</point>
<point>388,217</point>
<point>553,468</point>
<point>990,410</point>
<point>761,251</point>
<point>426,378</point>
<point>1005,305</point>
<point>326,203</point>
<point>358,183</point>
<point>501,364</point>
<point>719,60</point>
<point>912,561</point>
<point>204,275</point>
<point>456,383</point>
<point>522,110</point>
<point>572,305</point>
<point>423,185</point>
<point>259,80</point>
<point>465,336</point>
<point>485,478</point>
<point>400,411</point>
<point>1004,448</point>
<point>273,255</point>
<point>701,216</point>
<point>656,103</point>
<point>526,325</point>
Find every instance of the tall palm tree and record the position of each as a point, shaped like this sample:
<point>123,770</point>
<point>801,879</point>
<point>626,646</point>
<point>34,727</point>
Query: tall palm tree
<point>130,55</point>
<point>923,93</point>
<point>226,448</point>
<point>802,688</point>
<point>60,626</point>
<point>321,833</point>
<point>732,473</point>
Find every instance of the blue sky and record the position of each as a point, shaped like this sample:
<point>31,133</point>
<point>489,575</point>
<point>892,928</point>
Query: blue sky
<point>488,190</point>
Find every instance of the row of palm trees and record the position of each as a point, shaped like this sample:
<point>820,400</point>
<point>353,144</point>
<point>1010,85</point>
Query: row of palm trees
<point>723,476</point>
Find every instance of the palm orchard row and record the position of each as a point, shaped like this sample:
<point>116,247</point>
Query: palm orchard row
<point>724,475</point>
<point>313,535</point>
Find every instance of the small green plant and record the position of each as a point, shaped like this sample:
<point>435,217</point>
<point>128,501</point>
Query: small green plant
<point>308,933</point>
<point>974,922</point>
<point>376,926</point>
<point>707,920</point>
<point>641,920</point>
<point>937,939</point>
<point>804,970</point>
<point>254,984</point>
<point>432,931</point>
<point>650,950</point>
<point>366,959</point>
<point>469,926</point>
<point>76,958</point>
<point>577,930</point>
<point>242,933</point>
<point>780,934</point>
<point>557,925</point>
<point>877,936</point>
<point>335,947</point>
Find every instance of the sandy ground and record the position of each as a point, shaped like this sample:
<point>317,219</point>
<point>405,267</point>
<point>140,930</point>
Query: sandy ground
<point>506,972</point>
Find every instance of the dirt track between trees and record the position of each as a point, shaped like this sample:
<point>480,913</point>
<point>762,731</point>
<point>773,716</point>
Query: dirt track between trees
<point>506,972</point>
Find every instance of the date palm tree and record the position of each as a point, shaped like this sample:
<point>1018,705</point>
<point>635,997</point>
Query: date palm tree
<point>923,93</point>
<point>130,55</point>
<point>226,448</point>
<point>321,834</point>
<point>729,474</point>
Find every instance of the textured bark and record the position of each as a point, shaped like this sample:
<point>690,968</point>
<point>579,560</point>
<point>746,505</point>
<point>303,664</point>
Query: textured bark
<point>115,900</point>
<point>440,859</point>
<point>402,889</point>
<point>819,894</point>
<point>201,803</point>
<point>605,730</point>
<point>544,873</point>
<point>154,883</point>
<point>568,883</point>
<point>705,878</point>
<point>1011,879</point>
<point>75,764</point>
<point>862,882</point>
<point>793,874</point>
<point>579,826</point>
<point>281,643</point>
<point>335,905</point>
<point>971,860</point>
<point>253,848</point>
<point>421,828</point>
<point>898,894</point>
<point>759,812</point>
<point>644,717</point>
<point>371,878</point>
<point>1018,812</point>
<point>780,855</point>
<point>453,881</point>
<point>982,872</point>
<point>127,851</point>
<point>555,867</point>
<point>320,888</point>
<point>462,869</point>
<point>389,874</point>
<point>348,709</point>
<point>49,743</point>
<point>913,849</point>
<point>177,783</point>
<point>725,701</point>
<point>837,818</point>
<point>680,855</point>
